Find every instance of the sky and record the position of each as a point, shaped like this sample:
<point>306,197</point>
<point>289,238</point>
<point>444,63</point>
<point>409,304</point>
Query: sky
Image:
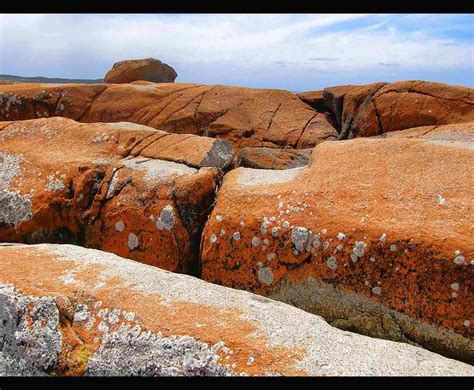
<point>285,51</point>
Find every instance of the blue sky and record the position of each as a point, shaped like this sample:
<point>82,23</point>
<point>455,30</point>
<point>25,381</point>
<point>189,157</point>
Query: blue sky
<point>288,51</point>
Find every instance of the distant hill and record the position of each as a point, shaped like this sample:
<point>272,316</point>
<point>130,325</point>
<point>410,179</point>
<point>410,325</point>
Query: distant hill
<point>38,79</point>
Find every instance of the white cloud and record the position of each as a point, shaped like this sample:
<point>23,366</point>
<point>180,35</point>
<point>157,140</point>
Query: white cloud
<point>91,43</point>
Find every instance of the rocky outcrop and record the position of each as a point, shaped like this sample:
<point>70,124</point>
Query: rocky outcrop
<point>243,116</point>
<point>374,235</point>
<point>148,69</point>
<point>120,187</point>
<point>378,108</point>
<point>270,158</point>
<point>67,310</point>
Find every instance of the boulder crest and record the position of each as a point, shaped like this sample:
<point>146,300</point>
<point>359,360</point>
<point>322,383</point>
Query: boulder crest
<point>148,69</point>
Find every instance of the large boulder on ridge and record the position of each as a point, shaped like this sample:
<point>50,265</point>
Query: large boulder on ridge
<point>243,116</point>
<point>375,236</point>
<point>68,310</point>
<point>121,187</point>
<point>148,69</point>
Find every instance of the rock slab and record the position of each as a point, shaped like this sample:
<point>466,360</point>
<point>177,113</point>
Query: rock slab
<point>73,311</point>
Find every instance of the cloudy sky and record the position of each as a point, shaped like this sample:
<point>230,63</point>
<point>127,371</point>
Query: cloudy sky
<point>295,52</point>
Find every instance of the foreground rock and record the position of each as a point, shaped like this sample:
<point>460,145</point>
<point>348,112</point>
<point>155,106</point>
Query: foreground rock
<point>72,311</point>
<point>120,187</point>
<point>149,69</point>
<point>270,158</point>
<point>375,236</point>
<point>244,116</point>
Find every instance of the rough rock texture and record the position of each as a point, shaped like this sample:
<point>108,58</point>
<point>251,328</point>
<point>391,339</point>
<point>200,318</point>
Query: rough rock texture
<point>379,108</point>
<point>244,116</point>
<point>375,236</point>
<point>148,69</point>
<point>68,310</point>
<point>456,132</point>
<point>270,158</point>
<point>315,99</point>
<point>333,98</point>
<point>120,187</point>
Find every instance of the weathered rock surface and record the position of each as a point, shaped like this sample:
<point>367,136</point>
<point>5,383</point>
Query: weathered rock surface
<point>455,132</point>
<point>244,116</point>
<point>375,236</point>
<point>380,108</point>
<point>148,69</point>
<point>68,310</point>
<point>271,158</point>
<point>315,99</point>
<point>121,187</point>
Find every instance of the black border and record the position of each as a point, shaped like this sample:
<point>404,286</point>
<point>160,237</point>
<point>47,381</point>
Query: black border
<point>237,6</point>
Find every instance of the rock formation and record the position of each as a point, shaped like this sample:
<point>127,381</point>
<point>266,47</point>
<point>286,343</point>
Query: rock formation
<point>354,203</point>
<point>148,69</point>
<point>120,187</point>
<point>374,235</point>
<point>67,310</point>
<point>243,116</point>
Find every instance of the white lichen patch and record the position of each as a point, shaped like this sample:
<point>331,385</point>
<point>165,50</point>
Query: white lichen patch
<point>332,262</point>
<point>236,236</point>
<point>14,208</point>
<point>158,170</point>
<point>213,238</point>
<point>354,257</point>
<point>55,184</point>
<point>10,168</point>
<point>393,248</point>
<point>166,219</point>
<point>265,275</point>
<point>377,290</point>
<point>219,218</point>
<point>383,237</point>
<point>271,256</point>
<point>119,226</point>
<point>299,237</point>
<point>359,248</point>
<point>441,200</point>
<point>100,138</point>
<point>255,241</point>
<point>455,286</point>
<point>132,241</point>
<point>254,177</point>
<point>459,260</point>
<point>275,231</point>
<point>467,323</point>
<point>341,236</point>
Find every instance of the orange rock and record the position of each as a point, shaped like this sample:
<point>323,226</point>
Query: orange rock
<point>334,100</point>
<point>375,236</point>
<point>270,158</point>
<point>377,108</point>
<point>121,187</point>
<point>315,99</point>
<point>456,132</point>
<point>73,311</point>
<point>148,69</point>
<point>244,116</point>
